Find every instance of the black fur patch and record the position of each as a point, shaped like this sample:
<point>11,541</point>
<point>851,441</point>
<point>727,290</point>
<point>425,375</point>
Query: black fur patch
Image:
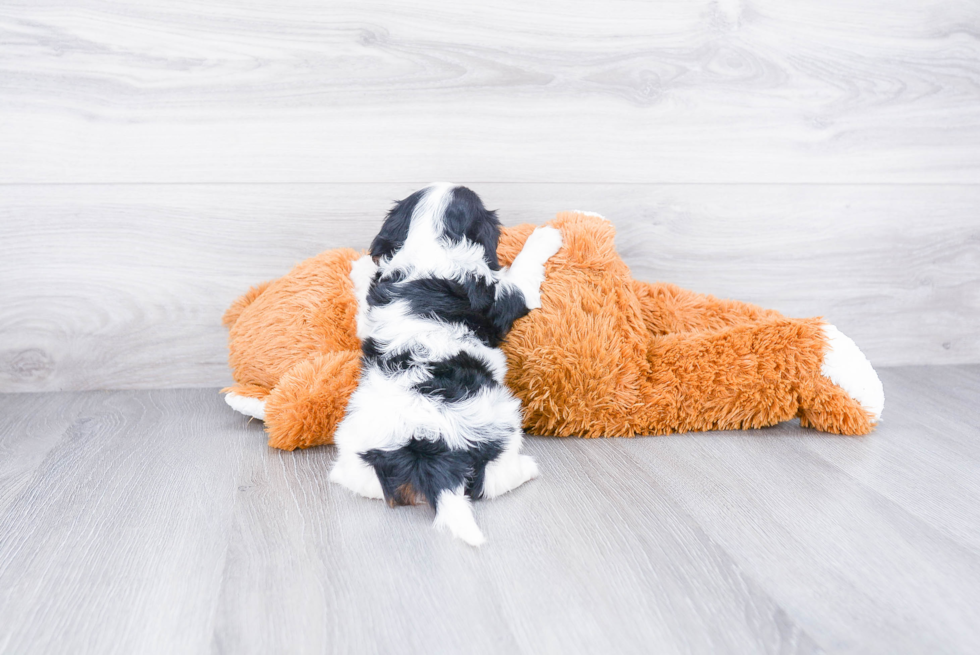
<point>423,468</point>
<point>388,363</point>
<point>508,306</point>
<point>460,377</point>
<point>472,303</point>
<point>466,217</point>
<point>394,231</point>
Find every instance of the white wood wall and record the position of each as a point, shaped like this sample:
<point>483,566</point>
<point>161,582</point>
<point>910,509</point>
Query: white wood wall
<point>157,158</point>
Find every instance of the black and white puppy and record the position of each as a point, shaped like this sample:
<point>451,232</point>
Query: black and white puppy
<point>431,418</point>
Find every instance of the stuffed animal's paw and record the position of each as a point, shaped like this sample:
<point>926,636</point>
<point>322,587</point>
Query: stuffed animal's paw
<point>846,366</point>
<point>254,407</point>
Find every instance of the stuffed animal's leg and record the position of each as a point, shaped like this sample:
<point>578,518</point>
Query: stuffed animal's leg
<point>668,309</point>
<point>247,399</point>
<point>835,385</point>
<point>309,402</point>
<point>846,379</point>
<point>754,375</point>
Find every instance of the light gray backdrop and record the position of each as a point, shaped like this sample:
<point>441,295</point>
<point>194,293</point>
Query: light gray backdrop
<point>156,159</point>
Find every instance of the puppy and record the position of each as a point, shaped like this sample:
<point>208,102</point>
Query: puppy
<point>431,418</point>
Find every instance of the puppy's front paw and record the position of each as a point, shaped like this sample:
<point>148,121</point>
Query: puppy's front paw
<point>527,271</point>
<point>532,295</point>
<point>362,270</point>
<point>543,243</point>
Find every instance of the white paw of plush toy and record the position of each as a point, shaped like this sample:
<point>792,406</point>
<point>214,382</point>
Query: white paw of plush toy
<point>253,407</point>
<point>846,366</point>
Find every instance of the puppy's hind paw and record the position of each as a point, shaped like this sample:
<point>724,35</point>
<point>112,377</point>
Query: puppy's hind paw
<point>529,468</point>
<point>508,472</point>
<point>359,478</point>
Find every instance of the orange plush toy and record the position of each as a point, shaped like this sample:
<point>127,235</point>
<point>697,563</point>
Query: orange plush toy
<point>605,356</point>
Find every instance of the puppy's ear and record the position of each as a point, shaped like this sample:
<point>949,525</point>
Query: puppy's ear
<point>466,217</point>
<point>394,231</point>
<point>486,232</point>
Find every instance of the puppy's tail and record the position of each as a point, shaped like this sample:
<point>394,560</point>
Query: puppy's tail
<point>426,469</point>
<point>454,511</point>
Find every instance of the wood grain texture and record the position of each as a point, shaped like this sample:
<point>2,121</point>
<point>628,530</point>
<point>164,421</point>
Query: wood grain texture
<point>681,91</point>
<point>114,539</point>
<point>159,522</point>
<point>761,151</point>
<point>123,286</point>
<point>891,506</point>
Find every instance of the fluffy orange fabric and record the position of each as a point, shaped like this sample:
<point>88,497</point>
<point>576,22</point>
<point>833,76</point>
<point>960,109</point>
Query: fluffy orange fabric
<point>278,325</point>
<point>605,355</point>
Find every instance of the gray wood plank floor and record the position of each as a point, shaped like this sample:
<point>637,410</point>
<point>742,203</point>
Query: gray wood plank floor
<point>159,522</point>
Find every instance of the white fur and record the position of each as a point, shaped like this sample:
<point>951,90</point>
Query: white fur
<point>397,330</point>
<point>386,410</point>
<point>424,254</point>
<point>456,514</point>
<point>354,473</point>
<point>847,367</point>
<point>527,271</point>
<point>362,271</point>
<point>383,410</point>
<point>592,214</point>
<point>253,407</point>
<point>507,472</point>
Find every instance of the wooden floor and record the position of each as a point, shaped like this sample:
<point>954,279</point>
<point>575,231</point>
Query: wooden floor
<point>159,522</point>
